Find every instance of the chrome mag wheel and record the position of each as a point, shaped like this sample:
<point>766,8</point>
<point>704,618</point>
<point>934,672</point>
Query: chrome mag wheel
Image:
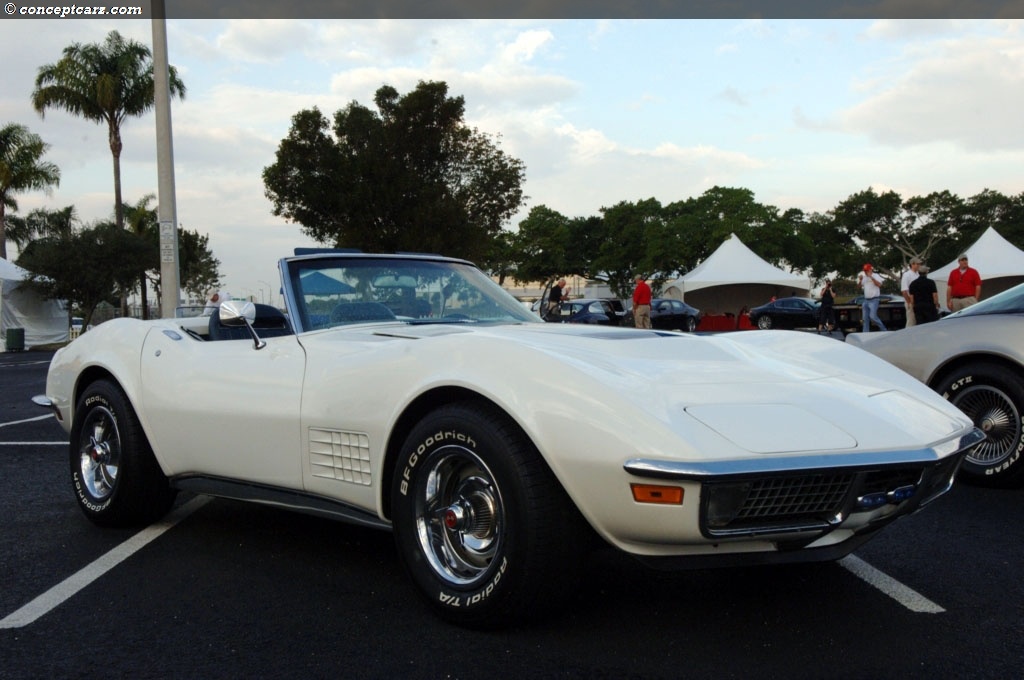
<point>459,515</point>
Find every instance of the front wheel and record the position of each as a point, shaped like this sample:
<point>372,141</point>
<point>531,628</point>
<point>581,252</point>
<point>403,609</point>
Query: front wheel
<point>993,398</point>
<point>764,322</point>
<point>484,529</point>
<point>691,324</point>
<point>116,479</point>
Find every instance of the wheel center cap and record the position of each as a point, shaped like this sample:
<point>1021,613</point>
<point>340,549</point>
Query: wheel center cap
<point>454,517</point>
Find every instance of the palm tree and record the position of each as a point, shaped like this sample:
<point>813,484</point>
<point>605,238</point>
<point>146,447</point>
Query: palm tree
<point>41,223</point>
<point>105,84</point>
<point>21,169</point>
<point>142,221</point>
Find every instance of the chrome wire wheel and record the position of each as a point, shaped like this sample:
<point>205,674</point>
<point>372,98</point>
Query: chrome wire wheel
<point>994,412</point>
<point>459,515</point>
<point>99,453</point>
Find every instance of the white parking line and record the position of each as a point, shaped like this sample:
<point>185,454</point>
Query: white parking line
<point>64,590</point>
<point>33,443</point>
<point>906,596</point>
<point>27,420</point>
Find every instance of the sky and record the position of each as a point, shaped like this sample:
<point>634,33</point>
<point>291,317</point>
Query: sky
<point>804,113</point>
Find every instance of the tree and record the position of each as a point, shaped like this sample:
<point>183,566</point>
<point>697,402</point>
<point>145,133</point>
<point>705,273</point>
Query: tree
<point>200,270</point>
<point>105,84</point>
<point>141,220</point>
<point>85,267</point>
<point>541,245</point>
<point>409,176</point>
<point>628,248</point>
<point>21,169</point>
<point>40,223</point>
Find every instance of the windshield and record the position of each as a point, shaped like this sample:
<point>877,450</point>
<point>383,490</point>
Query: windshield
<point>332,292</point>
<point>1008,302</point>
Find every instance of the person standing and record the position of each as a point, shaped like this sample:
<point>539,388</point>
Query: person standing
<point>925,296</point>
<point>964,286</point>
<point>556,296</point>
<point>908,277</point>
<point>871,282</point>
<point>213,304</point>
<point>827,314</point>
<point>641,303</point>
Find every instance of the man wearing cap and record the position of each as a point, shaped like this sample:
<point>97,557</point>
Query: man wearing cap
<point>964,286</point>
<point>872,284</point>
<point>905,281</point>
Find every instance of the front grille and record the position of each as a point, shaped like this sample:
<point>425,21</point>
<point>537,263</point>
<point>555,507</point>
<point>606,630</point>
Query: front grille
<point>789,503</point>
<point>795,497</point>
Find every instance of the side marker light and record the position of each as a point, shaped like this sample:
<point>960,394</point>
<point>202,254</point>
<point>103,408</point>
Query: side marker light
<point>657,495</point>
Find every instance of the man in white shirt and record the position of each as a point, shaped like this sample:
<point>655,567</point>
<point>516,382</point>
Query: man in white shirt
<point>872,284</point>
<point>908,278</point>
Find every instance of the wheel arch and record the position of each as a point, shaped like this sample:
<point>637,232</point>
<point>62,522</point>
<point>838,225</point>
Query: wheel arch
<point>413,413</point>
<point>958,362</point>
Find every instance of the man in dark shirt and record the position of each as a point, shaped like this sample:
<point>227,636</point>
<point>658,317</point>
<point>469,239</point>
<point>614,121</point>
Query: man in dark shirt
<point>925,296</point>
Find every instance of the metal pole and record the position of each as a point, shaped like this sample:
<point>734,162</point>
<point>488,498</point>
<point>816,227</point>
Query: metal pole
<point>170,294</point>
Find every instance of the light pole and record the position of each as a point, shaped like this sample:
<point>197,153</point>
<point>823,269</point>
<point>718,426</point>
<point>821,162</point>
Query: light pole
<point>166,206</point>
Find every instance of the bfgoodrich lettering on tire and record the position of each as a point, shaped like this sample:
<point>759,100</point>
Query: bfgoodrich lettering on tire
<point>486,533</point>
<point>992,396</point>
<point>115,477</point>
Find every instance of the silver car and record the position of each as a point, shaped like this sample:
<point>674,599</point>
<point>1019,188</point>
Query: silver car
<point>975,359</point>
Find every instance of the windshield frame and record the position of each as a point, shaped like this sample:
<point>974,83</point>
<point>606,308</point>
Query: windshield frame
<point>379,287</point>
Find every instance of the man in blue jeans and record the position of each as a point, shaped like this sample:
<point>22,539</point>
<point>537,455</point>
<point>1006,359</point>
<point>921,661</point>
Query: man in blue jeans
<point>872,284</point>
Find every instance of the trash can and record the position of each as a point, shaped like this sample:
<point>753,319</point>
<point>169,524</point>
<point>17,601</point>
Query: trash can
<point>15,339</point>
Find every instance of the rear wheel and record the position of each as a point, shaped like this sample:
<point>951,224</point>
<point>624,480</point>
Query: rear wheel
<point>116,479</point>
<point>484,529</point>
<point>993,398</point>
<point>764,322</point>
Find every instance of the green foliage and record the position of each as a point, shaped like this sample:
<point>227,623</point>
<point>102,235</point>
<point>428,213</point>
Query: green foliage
<point>410,176</point>
<point>22,168</point>
<point>199,270</point>
<point>103,83</point>
<point>663,242</point>
<point>85,267</point>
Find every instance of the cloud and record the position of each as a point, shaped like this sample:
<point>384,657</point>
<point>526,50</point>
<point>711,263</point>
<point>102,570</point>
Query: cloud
<point>968,93</point>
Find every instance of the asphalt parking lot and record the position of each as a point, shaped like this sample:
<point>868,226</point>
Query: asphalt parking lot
<point>222,589</point>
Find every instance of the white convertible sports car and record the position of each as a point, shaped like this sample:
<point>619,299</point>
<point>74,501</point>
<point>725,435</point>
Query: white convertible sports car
<point>410,392</point>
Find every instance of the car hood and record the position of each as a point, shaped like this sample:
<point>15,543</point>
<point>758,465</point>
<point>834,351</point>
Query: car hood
<point>765,391</point>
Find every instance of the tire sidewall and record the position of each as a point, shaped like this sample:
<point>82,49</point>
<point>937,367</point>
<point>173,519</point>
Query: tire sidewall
<point>93,398</point>
<point>984,375</point>
<point>497,584</point>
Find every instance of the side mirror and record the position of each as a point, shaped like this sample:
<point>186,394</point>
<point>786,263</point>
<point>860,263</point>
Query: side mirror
<point>236,313</point>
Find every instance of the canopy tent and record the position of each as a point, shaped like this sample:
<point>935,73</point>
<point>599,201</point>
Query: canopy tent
<point>44,322</point>
<point>734,277</point>
<point>1000,263</point>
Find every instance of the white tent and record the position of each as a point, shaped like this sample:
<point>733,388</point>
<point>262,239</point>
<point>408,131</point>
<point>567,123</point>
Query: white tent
<point>43,321</point>
<point>1000,263</point>
<point>734,277</point>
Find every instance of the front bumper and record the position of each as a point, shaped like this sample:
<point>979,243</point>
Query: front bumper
<point>796,502</point>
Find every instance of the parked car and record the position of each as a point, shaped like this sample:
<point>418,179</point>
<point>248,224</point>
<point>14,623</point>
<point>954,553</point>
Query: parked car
<point>892,311</point>
<point>590,311</point>
<point>786,313</point>
<point>674,315</point>
<point>411,393</point>
<point>974,358</point>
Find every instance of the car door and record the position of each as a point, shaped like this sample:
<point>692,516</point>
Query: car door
<point>224,408</point>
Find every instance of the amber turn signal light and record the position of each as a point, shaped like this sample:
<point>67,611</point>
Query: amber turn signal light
<point>659,495</point>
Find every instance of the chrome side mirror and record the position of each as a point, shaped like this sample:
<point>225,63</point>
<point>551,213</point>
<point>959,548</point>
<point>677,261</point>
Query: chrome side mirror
<point>235,313</point>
